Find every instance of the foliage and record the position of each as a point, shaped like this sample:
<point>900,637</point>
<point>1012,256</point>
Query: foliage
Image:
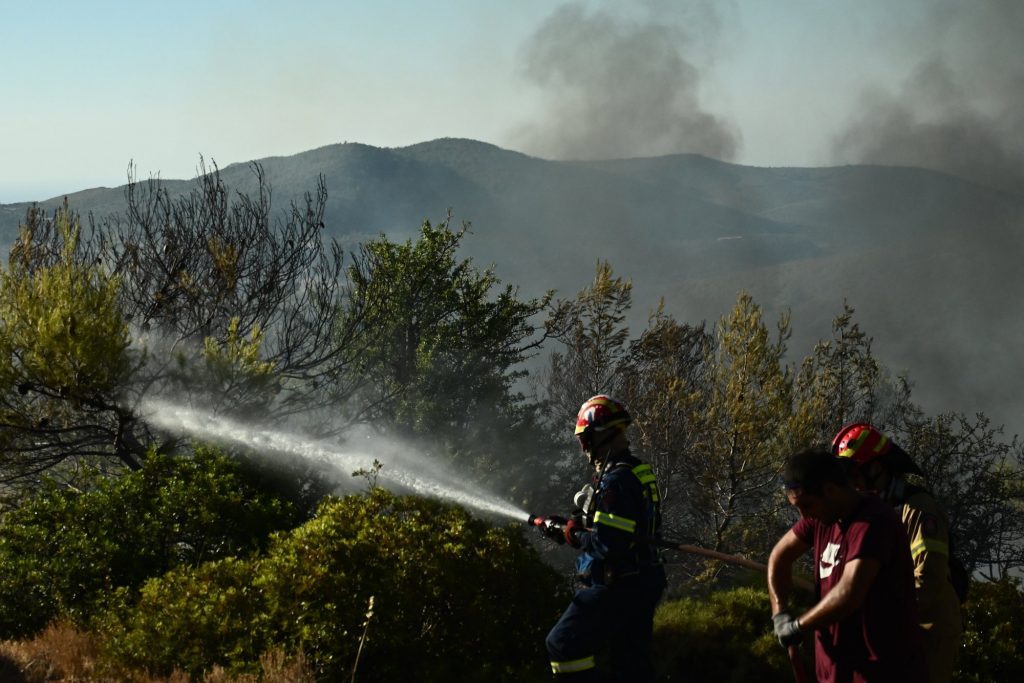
<point>63,354</point>
<point>993,633</point>
<point>743,430</point>
<point>593,330</point>
<point>443,346</point>
<point>842,382</point>
<point>205,295</point>
<point>63,550</point>
<point>441,582</point>
<point>211,275</point>
<point>443,343</point>
<point>657,374</point>
<point>724,637</point>
<point>664,377</point>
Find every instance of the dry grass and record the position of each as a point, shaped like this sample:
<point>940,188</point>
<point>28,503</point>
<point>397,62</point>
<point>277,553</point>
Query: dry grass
<point>63,654</point>
<point>60,653</point>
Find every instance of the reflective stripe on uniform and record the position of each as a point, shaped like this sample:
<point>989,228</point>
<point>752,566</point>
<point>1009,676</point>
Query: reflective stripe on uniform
<point>646,476</point>
<point>929,545</point>
<point>615,521</point>
<point>644,473</point>
<point>573,666</point>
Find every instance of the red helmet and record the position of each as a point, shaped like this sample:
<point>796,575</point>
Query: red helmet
<point>862,443</point>
<point>599,413</point>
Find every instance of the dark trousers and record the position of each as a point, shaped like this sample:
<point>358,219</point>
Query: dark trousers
<point>620,618</point>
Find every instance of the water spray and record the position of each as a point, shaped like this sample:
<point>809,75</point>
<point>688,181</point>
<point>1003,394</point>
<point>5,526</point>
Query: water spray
<point>402,469</point>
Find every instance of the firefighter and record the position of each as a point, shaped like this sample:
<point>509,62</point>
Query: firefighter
<point>878,465</point>
<point>620,575</point>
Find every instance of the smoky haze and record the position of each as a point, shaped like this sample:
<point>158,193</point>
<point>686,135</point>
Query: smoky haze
<point>613,86</point>
<point>961,108</point>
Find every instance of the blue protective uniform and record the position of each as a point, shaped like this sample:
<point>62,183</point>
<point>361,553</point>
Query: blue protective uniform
<point>622,580</point>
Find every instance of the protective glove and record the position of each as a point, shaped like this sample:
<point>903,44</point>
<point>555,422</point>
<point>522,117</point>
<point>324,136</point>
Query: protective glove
<point>787,629</point>
<point>554,528</point>
<point>573,527</point>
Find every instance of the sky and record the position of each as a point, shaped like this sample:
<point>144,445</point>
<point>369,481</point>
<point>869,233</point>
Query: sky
<point>90,87</point>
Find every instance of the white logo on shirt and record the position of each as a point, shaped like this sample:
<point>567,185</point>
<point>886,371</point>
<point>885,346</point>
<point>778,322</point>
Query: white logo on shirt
<point>829,558</point>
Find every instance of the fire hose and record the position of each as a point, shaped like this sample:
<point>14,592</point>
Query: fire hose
<point>548,523</point>
<point>794,657</point>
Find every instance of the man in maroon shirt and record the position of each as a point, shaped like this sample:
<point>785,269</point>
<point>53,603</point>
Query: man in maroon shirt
<point>865,623</point>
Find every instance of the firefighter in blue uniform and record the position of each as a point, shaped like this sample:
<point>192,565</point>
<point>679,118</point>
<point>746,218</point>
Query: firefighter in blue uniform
<point>619,569</point>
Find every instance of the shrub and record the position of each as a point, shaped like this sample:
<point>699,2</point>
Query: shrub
<point>64,550</point>
<point>993,634</point>
<point>192,618</point>
<point>724,637</point>
<point>455,599</point>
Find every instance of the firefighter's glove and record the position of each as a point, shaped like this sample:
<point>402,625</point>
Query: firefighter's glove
<point>572,529</point>
<point>787,629</point>
<point>554,528</point>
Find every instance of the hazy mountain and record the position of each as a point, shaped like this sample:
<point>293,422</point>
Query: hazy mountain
<point>928,260</point>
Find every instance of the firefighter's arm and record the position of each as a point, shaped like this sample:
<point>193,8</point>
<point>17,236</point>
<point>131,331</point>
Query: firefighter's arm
<point>780,569</point>
<point>929,547</point>
<point>846,597</point>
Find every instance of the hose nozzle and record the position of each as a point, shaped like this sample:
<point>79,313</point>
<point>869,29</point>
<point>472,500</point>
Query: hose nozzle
<point>546,523</point>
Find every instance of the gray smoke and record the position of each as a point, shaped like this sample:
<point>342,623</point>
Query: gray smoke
<point>961,109</point>
<point>616,87</point>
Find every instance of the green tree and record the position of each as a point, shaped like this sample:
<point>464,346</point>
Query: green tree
<point>64,549</point>
<point>206,296</point>
<point>664,378</point>
<point>842,382</point>
<point>593,330</point>
<point>743,431</point>
<point>443,345</point>
<point>64,355</point>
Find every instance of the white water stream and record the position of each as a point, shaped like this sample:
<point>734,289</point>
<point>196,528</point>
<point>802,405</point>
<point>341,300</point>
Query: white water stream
<point>401,467</point>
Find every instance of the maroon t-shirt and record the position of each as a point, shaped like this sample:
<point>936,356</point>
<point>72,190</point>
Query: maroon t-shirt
<point>880,642</point>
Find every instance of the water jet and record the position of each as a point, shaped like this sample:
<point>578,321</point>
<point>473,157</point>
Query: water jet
<point>402,468</point>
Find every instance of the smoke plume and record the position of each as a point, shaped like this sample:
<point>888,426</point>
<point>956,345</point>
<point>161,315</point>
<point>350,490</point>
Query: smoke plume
<point>613,87</point>
<point>961,109</point>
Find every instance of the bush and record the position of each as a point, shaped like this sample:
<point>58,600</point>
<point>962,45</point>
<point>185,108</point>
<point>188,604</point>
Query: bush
<point>192,618</point>
<point>724,637</point>
<point>993,634</point>
<point>64,550</point>
<point>454,599</point>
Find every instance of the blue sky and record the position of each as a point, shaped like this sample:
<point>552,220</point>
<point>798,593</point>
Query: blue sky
<point>90,86</point>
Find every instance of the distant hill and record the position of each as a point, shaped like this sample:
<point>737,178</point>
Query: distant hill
<point>929,261</point>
